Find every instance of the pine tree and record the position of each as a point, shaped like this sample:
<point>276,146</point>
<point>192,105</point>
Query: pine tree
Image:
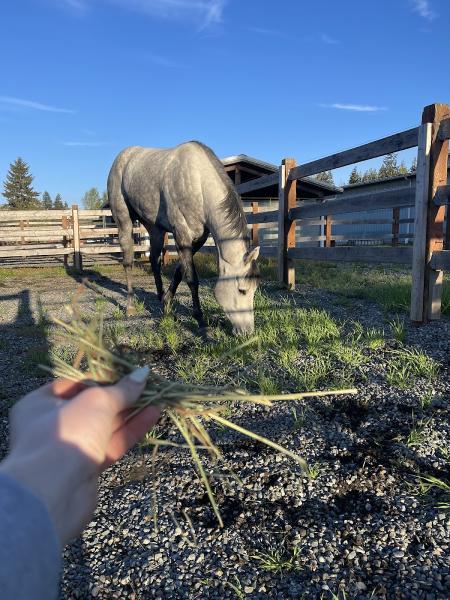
<point>413,167</point>
<point>105,199</point>
<point>66,206</point>
<point>18,189</point>
<point>370,175</point>
<point>325,176</point>
<point>355,177</point>
<point>389,167</point>
<point>402,170</point>
<point>92,199</point>
<point>58,203</point>
<point>46,202</point>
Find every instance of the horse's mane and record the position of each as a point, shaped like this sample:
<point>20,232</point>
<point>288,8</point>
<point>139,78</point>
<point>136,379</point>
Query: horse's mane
<point>232,203</point>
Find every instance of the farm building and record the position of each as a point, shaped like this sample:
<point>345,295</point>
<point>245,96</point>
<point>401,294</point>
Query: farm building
<point>244,169</point>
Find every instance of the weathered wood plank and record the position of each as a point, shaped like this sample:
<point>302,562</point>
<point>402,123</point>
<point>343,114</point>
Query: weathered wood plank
<point>365,254</point>
<point>258,183</point>
<point>35,252</point>
<point>33,215</point>
<point>444,130</point>
<point>355,203</point>
<point>111,249</point>
<point>391,143</point>
<point>420,223</point>
<point>269,216</point>
<point>440,261</point>
<point>442,195</point>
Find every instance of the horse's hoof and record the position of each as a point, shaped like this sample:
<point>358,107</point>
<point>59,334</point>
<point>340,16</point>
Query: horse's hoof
<point>206,334</point>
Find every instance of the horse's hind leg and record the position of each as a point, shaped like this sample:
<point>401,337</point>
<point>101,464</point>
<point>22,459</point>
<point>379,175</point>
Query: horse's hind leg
<point>156,247</point>
<point>127,244</point>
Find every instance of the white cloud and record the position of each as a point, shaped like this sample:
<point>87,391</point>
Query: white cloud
<point>91,144</point>
<point>203,12</point>
<point>354,107</point>
<point>326,39</point>
<point>21,103</point>
<point>423,8</point>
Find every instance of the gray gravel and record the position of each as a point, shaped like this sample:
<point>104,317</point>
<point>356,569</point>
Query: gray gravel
<point>357,526</point>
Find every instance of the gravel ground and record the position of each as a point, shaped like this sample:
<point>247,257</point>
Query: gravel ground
<point>357,527</point>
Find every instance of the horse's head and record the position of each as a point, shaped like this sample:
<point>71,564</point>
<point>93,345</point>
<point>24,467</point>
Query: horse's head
<point>235,290</point>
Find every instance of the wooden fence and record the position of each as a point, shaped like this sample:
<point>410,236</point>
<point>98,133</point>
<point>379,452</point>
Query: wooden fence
<point>427,256</point>
<point>84,233</point>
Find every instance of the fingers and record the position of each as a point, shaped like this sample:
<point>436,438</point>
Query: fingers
<point>130,433</point>
<point>127,391</point>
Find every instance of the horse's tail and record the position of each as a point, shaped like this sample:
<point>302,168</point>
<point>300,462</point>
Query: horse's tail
<point>119,206</point>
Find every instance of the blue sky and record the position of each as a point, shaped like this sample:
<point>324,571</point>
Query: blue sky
<point>82,79</point>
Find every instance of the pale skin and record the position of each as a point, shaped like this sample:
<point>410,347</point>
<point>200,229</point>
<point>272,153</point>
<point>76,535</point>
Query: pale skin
<point>63,435</point>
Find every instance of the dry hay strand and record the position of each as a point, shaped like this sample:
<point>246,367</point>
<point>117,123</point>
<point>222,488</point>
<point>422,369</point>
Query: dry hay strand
<point>189,407</point>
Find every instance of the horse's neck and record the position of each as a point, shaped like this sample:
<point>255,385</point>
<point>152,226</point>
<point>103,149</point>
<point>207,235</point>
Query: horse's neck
<point>231,247</point>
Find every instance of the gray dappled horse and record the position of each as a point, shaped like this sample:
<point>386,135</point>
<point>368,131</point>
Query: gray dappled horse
<point>186,191</point>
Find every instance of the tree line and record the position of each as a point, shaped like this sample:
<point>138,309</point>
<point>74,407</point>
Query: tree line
<point>390,167</point>
<point>20,194</point>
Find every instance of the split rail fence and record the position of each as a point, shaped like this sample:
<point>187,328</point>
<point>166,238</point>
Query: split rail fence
<point>88,233</point>
<point>427,257</point>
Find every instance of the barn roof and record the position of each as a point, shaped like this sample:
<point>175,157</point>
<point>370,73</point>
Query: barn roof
<point>250,168</point>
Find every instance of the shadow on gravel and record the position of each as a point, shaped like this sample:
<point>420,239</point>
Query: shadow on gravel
<point>23,344</point>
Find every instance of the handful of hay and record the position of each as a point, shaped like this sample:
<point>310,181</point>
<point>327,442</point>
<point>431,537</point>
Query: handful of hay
<point>188,407</point>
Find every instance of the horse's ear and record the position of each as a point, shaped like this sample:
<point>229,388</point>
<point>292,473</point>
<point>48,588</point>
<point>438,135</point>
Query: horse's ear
<point>251,255</point>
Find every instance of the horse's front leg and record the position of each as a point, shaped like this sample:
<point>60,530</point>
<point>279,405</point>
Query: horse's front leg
<point>187,263</point>
<point>156,247</point>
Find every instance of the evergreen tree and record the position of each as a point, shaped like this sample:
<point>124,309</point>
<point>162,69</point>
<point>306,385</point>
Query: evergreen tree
<point>58,203</point>
<point>370,175</point>
<point>355,177</point>
<point>389,166</point>
<point>92,199</point>
<point>18,189</point>
<point>66,206</point>
<point>413,167</point>
<point>105,199</point>
<point>402,170</point>
<point>46,202</point>
<point>325,176</point>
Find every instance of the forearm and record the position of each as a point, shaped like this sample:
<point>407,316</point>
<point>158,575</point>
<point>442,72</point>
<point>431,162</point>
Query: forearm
<point>29,550</point>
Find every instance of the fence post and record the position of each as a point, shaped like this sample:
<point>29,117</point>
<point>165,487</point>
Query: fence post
<point>255,226</point>
<point>328,226</point>
<point>395,225</point>
<point>426,292</point>
<point>435,214</point>
<point>287,196</point>
<point>77,259</point>
<point>65,225</point>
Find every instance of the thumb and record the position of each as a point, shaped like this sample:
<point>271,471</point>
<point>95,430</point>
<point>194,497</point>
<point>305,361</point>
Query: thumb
<point>126,392</point>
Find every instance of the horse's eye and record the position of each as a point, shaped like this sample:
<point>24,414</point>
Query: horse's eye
<point>243,292</point>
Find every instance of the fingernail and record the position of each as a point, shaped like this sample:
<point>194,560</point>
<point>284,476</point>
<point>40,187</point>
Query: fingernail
<point>139,375</point>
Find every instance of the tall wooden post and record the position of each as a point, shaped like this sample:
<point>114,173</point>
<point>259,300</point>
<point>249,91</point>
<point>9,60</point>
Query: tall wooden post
<point>255,226</point>
<point>395,225</point>
<point>65,225</point>
<point>435,214</point>
<point>77,259</point>
<point>426,293</point>
<point>328,226</point>
<point>287,196</point>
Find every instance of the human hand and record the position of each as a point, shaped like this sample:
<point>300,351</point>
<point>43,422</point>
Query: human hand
<point>64,434</point>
